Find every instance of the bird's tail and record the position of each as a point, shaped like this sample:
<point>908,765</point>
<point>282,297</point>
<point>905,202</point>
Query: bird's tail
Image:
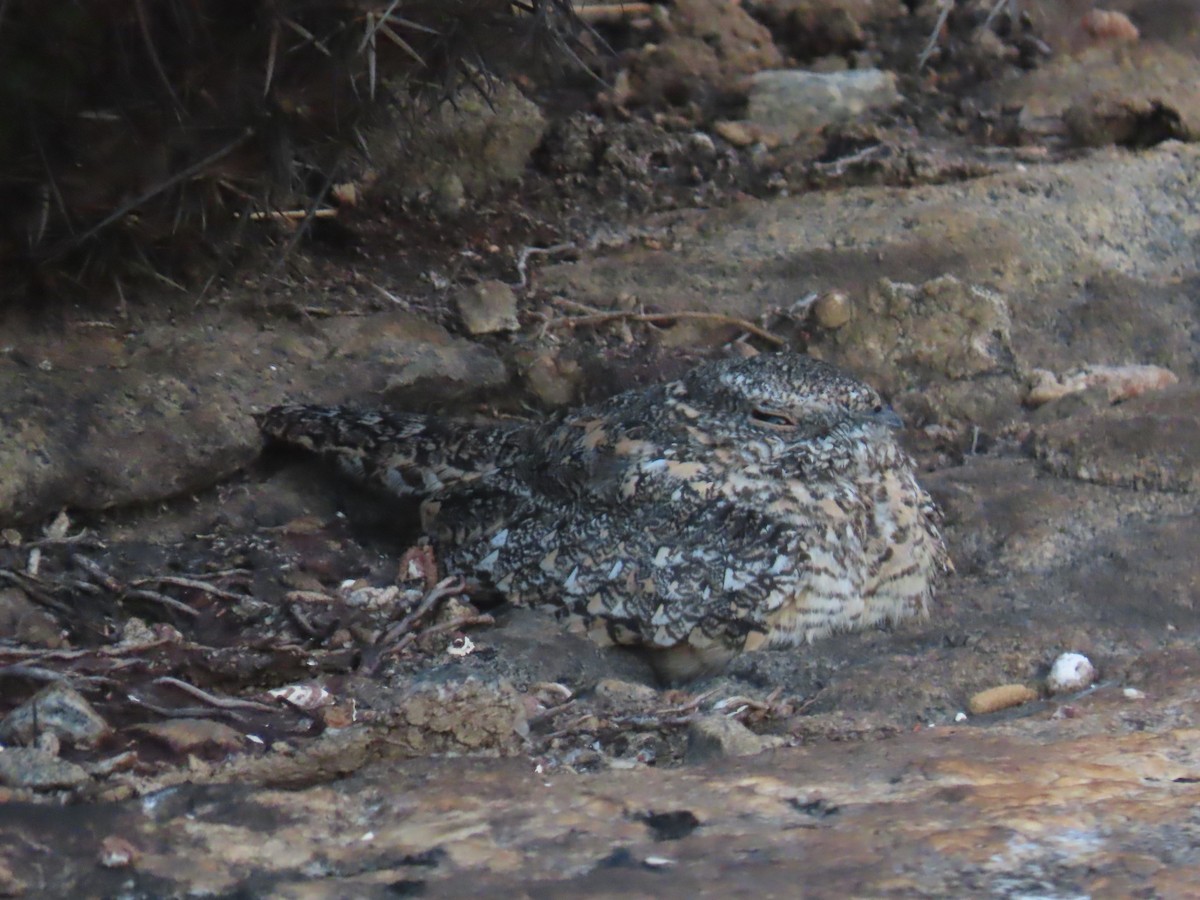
<point>409,455</point>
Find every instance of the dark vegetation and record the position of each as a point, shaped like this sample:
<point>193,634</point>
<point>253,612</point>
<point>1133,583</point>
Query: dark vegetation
<point>140,136</point>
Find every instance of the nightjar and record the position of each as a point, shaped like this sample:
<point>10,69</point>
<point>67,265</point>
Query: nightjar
<point>753,503</point>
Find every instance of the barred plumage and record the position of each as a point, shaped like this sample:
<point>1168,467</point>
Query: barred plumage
<point>753,503</point>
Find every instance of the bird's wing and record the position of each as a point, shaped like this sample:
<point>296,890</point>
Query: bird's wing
<point>660,575</point>
<point>624,454</point>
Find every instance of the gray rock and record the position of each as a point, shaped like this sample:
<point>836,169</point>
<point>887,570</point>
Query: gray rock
<point>57,709</point>
<point>932,341</point>
<point>26,767</point>
<point>167,410</point>
<point>1104,97</point>
<point>464,148</point>
<point>1151,442</point>
<point>1091,257</point>
<point>796,102</point>
<point>487,307</point>
<point>717,737</point>
<point>25,622</point>
<point>194,735</point>
<point>471,716</point>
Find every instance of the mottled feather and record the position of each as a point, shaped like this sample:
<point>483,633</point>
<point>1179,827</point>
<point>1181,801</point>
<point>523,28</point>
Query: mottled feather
<point>758,502</point>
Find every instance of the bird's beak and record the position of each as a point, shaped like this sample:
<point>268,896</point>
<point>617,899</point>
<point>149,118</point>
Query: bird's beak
<point>887,416</point>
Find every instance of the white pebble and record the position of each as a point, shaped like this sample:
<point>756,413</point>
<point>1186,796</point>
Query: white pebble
<point>1070,672</point>
<point>960,717</point>
<point>1134,694</point>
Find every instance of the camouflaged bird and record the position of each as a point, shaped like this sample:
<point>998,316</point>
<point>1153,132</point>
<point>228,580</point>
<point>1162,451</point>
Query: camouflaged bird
<point>754,503</point>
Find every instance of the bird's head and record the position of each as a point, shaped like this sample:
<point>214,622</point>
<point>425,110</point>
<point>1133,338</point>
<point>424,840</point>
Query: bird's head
<point>793,398</point>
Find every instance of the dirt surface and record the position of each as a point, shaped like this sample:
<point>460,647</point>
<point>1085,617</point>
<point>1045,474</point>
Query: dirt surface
<point>224,671</point>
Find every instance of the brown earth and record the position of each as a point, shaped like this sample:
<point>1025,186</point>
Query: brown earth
<point>948,249</point>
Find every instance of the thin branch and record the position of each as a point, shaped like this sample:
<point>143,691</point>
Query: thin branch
<point>666,318</point>
<point>144,25</point>
<point>447,587</point>
<point>169,602</point>
<point>272,51</point>
<point>93,569</point>
<point>212,699</point>
<point>32,587</point>
<point>943,15</point>
<point>526,252</point>
<point>303,227</point>
<point>440,628</point>
<point>194,585</point>
<point>309,38</point>
<point>126,208</point>
<point>182,712</point>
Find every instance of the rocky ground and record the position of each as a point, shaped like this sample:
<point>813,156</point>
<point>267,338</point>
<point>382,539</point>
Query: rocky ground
<point>227,672</point>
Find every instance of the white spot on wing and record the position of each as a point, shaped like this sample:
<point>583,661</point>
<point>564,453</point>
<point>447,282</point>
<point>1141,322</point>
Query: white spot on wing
<point>488,562</point>
<point>571,585</point>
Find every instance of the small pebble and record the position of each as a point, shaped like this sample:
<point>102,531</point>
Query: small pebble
<point>117,853</point>
<point>832,310</point>
<point>1134,694</point>
<point>1070,672</point>
<point>1002,697</point>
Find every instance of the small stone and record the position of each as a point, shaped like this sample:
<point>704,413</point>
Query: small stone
<point>10,884</point>
<point>832,310</point>
<point>553,380</point>
<point>1132,693</point>
<point>307,695</point>
<point>48,742</point>
<point>719,737</point>
<point>1002,697</point>
<point>796,102</point>
<point>449,195</point>
<point>194,735</point>
<point>740,134</point>
<point>616,691</point>
<point>1070,672</point>
<point>27,767</point>
<point>56,709</point>
<point>345,194</point>
<point>22,621</point>
<point>1118,382</point>
<point>1106,26</point>
<point>488,307</point>
<point>122,762</point>
<point>117,853</point>
<point>460,717</point>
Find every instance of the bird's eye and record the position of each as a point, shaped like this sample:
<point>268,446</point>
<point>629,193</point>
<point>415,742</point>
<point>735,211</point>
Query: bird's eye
<point>772,417</point>
<point>878,408</point>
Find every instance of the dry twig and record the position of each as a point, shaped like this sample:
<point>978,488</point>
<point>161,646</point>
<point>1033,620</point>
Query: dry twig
<point>447,587</point>
<point>212,699</point>
<point>609,13</point>
<point>441,628</point>
<point>194,585</point>
<point>604,317</point>
<point>170,602</point>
